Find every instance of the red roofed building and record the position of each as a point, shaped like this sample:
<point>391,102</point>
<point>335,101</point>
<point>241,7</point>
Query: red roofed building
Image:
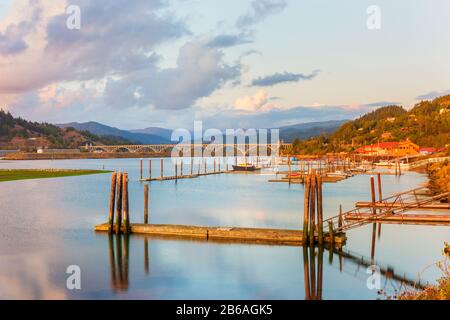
<point>394,149</point>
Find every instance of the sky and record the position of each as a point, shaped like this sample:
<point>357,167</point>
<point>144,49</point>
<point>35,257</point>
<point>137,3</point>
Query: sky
<point>235,63</point>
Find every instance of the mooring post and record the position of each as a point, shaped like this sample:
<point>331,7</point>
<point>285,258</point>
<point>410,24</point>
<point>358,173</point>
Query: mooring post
<point>146,204</point>
<point>312,210</point>
<point>199,168</point>
<point>204,165</point>
<point>319,209</point>
<point>219,164</point>
<point>150,169</point>
<point>162,169</point>
<point>140,163</point>
<point>341,218</point>
<point>214,165</point>
<point>112,200</point>
<point>399,168</point>
<point>306,210</point>
<point>380,192</point>
<point>192,166</point>
<point>331,233</point>
<point>289,164</point>
<point>126,211</point>
<point>119,203</point>
<point>372,190</point>
<point>176,170</point>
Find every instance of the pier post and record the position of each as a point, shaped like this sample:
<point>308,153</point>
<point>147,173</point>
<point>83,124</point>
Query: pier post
<point>341,218</point>
<point>162,169</point>
<point>150,169</point>
<point>204,164</point>
<point>146,204</point>
<point>372,191</point>
<point>380,192</point>
<point>192,166</point>
<point>306,210</point>
<point>199,168</point>
<point>141,169</point>
<point>312,210</point>
<point>214,165</point>
<point>112,200</point>
<point>176,170</point>
<point>319,209</point>
<point>126,211</point>
<point>119,203</point>
<point>331,234</point>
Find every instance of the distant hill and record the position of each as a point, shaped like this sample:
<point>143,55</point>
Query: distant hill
<point>17,133</point>
<point>104,130</point>
<point>308,130</point>
<point>426,124</point>
<point>155,131</point>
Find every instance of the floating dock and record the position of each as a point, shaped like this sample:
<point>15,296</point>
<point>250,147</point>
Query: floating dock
<point>245,235</point>
<point>401,218</point>
<point>429,206</point>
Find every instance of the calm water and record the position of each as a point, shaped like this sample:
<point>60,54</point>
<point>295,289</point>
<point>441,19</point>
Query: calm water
<point>46,225</point>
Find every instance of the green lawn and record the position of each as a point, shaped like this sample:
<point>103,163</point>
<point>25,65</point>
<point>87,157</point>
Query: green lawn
<point>26,174</point>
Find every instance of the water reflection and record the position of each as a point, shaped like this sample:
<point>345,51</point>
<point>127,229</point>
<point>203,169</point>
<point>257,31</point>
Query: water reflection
<point>313,288</point>
<point>119,263</point>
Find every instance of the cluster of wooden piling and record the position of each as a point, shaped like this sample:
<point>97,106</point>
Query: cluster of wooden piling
<point>313,210</point>
<point>180,173</point>
<point>119,202</point>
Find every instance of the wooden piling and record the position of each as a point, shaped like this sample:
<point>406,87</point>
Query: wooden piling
<point>176,171</point>
<point>214,165</point>
<point>341,218</point>
<point>146,189</point>
<point>162,169</point>
<point>150,169</point>
<point>140,163</point>
<point>380,192</point>
<point>306,208</point>
<point>181,168</point>
<point>126,211</point>
<point>331,233</point>
<point>112,200</point>
<point>319,210</point>
<point>372,191</point>
<point>119,203</point>
<point>312,210</point>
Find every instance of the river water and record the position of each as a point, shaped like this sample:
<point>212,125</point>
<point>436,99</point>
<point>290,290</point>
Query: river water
<point>47,225</point>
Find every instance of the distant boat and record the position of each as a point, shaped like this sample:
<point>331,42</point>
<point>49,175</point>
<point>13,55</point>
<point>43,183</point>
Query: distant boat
<point>245,167</point>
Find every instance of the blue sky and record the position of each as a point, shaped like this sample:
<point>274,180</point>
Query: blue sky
<point>234,63</point>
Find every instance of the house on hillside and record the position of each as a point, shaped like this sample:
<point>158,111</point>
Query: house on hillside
<point>390,149</point>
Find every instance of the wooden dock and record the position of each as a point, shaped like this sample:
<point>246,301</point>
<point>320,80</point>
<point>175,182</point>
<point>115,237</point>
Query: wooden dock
<point>401,218</point>
<point>245,235</point>
<point>429,206</point>
<point>184,177</point>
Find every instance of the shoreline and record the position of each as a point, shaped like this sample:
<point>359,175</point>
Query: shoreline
<point>32,174</point>
<point>82,155</point>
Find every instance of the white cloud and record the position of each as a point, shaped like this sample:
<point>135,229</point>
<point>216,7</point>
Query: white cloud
<point>257,102</point>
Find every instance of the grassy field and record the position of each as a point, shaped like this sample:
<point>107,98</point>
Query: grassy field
<point>27,174</point>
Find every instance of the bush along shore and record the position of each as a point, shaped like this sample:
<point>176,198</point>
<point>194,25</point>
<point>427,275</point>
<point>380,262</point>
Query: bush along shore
<point>440,291</point>
<point>27,174</point>
<point>439,175</point>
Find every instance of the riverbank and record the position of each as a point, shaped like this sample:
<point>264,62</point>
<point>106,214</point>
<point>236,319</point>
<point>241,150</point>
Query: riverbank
<point>29,174</point>
<point>83,155</point>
